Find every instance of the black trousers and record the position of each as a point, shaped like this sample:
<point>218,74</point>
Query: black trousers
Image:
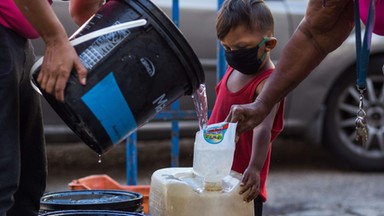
<point>258,206</point>
<point>22,146</point>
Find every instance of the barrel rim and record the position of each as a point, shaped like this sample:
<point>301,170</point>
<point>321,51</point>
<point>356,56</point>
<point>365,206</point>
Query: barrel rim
<point>90,212</point>
<point>135,200</point>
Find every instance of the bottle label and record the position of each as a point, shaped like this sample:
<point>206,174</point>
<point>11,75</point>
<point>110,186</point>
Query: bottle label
<point>215,133</point>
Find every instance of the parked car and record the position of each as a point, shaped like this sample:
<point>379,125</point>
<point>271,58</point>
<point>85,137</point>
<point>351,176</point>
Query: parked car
<point>322,108</point>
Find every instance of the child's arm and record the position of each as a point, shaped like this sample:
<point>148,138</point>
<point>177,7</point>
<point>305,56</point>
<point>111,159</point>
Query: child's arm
<point>260,147</point>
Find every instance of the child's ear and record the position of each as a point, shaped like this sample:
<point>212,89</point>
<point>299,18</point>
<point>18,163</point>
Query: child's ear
<point>271,43</point>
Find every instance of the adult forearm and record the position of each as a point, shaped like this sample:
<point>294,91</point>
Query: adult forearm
<point>300,56</point>
<point>323,30</point>
<point>59,56</point>
<point>42,17</point>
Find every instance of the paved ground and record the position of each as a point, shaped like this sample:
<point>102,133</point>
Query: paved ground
<point>304,180</point>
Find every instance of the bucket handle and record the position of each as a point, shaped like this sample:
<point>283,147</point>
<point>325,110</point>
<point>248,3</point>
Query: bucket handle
<point>90,36</point>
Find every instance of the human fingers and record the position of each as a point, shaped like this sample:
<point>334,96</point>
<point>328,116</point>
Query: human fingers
<point>253,192</point>
<point>42,78</point>
<point>65,66</point>
<point>253,114</point>
<point>46,78</point>
<point>246,115</point>
<point>243,184</point>
<point>229,117</point>
<point>57,65</point>
<point>81,71</point>
<point>236,116</point>
<point>61,82</point>
<point>250,189</point>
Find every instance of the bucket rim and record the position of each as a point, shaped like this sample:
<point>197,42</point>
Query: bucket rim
<point>90,212</point>
<point>196,74</point>
<point>47,202</point>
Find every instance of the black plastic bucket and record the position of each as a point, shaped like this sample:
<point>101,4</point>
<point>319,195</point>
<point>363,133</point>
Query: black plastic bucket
<point>132,74</point>
<point>92,200</point>
<point>90,213</point>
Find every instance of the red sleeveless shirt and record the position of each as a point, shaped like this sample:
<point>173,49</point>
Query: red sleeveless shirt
<point>224,100</point>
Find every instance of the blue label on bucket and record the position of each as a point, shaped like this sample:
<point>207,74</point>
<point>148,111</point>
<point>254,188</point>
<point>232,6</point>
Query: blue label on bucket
<point>108,104</point>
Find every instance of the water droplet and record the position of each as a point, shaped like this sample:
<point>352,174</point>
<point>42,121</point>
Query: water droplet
<point>99,161</point>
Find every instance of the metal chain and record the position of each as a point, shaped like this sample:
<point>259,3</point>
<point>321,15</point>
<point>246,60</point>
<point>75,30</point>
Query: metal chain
<point>361,122</point>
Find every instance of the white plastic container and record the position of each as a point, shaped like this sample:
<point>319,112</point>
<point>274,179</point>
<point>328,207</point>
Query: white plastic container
<point>180,192</point>
<point>213,152</point>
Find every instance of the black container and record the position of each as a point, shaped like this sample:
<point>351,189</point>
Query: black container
<point>132,74</point>
<point>92,200</point>
<point>90,213</point>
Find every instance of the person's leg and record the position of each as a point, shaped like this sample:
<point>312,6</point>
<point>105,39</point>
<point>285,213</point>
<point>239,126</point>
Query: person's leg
<point>9,120</point>
<point>22,153</point>
<point>32,148</point>
<point>258,206</point>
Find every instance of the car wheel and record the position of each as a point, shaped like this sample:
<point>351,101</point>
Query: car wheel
<point>342,106</point>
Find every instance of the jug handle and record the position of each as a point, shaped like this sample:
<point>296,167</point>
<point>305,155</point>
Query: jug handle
<point>90,36</point>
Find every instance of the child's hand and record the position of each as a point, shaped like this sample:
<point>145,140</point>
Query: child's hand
<point>250,184</point>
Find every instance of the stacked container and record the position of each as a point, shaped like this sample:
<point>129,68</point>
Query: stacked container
<point>180,192</point>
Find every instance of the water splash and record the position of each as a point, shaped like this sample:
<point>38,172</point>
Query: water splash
<point>201,105</point>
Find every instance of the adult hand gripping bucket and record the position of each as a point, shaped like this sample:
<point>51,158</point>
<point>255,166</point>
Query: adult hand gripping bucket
<point>132,73</point>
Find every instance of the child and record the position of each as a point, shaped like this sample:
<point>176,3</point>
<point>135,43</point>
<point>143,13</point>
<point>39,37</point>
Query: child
<point>245,29</point>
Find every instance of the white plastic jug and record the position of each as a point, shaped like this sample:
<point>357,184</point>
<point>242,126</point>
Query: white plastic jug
<point>213,153</point>
<point>179,192</point>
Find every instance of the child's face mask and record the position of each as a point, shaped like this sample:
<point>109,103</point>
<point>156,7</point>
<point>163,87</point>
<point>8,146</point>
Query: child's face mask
<point>245,60</point>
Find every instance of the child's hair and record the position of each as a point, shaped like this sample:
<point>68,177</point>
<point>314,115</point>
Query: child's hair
<point>253,14</point>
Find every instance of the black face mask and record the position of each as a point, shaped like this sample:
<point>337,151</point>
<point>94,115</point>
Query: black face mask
<point>245,60</point>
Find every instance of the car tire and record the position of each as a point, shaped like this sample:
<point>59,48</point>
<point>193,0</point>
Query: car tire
<point>342,106</point>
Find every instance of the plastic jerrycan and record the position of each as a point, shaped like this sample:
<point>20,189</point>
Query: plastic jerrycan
<point>180,192</point>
